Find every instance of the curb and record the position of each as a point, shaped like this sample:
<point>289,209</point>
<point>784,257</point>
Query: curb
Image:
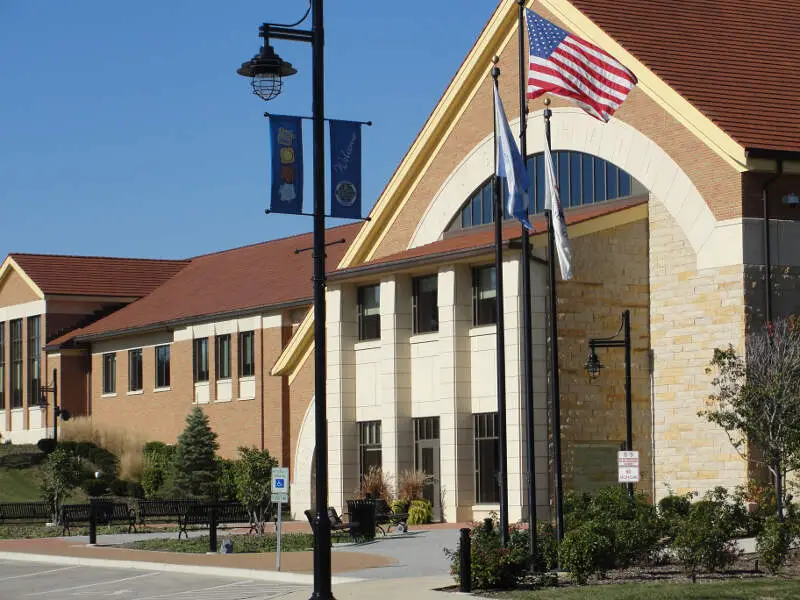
<point>135,565</point>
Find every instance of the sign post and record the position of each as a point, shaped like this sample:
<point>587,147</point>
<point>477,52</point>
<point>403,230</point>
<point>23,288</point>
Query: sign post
<point>280,494</point>
<point>628,466</point>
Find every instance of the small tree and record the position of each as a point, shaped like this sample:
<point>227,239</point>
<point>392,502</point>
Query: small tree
<point>757,400</point>
<point>195,469</point>
<point>61,473</point>
<point>253,477</point>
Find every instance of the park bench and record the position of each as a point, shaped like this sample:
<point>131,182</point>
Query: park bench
<point>227,513</point>
<point>384,517</point>
<point>338,526</point>
<point>163,510</point>
<point>105,513</point>
<point>25,512</point>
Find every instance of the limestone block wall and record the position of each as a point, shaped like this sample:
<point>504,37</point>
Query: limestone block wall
<point>692,312</point>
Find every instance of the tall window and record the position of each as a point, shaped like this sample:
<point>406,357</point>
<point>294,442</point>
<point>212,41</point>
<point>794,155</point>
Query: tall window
<point>369,312</point>
<point>222,356</point>
<point>425,303</point>
<point>200,359</point>
<point>16,363</point>
<point>135,370</point>
<point>247,361</point>
<point>110,373</point>
<point>487,458</point>
<point>162,366</point>
<point>369,446</point>
<point>2,366</point>
<point>484,296</point>
<point>34,360</point>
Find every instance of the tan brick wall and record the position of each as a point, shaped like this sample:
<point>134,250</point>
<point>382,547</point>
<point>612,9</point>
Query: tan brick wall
<point>717,182</point>
<point>14,290</point>
<point>610,275</point>
<point>692,312</point>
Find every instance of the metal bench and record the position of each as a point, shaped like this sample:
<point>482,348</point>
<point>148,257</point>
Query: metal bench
<point>338,526</point>
<point>384,516</point>
<point>163,511</point>
<point>105,513</point>
<point>226,513</point>
<point>25,512</point>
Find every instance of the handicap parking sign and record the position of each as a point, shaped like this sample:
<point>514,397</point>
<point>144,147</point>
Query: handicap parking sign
<point>280,483</point>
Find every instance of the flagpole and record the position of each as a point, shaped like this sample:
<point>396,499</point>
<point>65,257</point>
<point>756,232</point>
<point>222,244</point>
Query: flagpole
<point>555,391</point>
<point>527,333</point>
<point>500,327</point>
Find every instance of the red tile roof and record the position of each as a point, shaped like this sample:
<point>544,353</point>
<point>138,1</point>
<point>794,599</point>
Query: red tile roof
<point>483,238</point>
<point>97,275</point>
<point>737,62</point>
<point>251,277</point>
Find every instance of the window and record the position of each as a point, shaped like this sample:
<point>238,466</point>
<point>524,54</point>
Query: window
<point>484,296</point>
<point>369,446</point>
<point>16,363</point>
<point>425,304</point>
<point>110,373</point>
<point>2,366</point>
<point>162,366</point>
<point>200,359</point>
<point>222,356</point>
<point>369,312</point>
<point>487,458</point>
<point>247,360</point>
<point>34,360</point>
<point>135,370</point>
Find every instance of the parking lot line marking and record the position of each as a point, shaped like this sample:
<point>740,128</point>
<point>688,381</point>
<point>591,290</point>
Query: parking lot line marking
<point>205,589</point>
<point>37,573</point>
<point>88,585</point>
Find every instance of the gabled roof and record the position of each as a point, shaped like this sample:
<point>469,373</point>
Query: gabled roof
<point>269,274</point>
<point>737,62</point>
<point>94,275</point>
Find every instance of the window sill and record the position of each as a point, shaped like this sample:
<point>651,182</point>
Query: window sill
<point>219,401</point>
<point>201,383</point>
<point>18,409</point>
<point>479,330</point>
<point>421,338</point>
<point>114,395</point>
<point>246,399</point>
<point>224,380</point>
<point>247,378</point>
<point>162,389</point>
<point>367,345</point>
<point>135,393</point>
<point>487,506</point>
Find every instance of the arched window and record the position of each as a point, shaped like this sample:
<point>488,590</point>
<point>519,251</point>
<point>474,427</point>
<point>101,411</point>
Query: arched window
<point>582,179</point>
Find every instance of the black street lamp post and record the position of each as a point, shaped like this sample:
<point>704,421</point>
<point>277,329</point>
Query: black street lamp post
<point>593,366</point>
<point>266,71</point>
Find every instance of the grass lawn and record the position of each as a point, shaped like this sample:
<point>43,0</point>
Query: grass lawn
<point>290,542</point>
<point>767,588</point>
<point>19,485</point>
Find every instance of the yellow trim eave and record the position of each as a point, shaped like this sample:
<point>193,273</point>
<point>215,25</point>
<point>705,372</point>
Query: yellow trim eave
<point>10,263</point>
<point>289,360</point>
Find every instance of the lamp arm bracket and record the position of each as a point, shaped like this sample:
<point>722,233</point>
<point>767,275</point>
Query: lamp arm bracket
<point>296,23</point>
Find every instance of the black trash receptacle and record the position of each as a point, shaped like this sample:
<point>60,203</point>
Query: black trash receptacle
<point>363,513</point>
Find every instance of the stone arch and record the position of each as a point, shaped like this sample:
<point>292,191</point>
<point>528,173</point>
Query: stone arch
<point>615,141</point>
<point>302,476</point>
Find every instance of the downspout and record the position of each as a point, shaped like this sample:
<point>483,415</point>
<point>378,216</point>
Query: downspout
<point>767,259</point>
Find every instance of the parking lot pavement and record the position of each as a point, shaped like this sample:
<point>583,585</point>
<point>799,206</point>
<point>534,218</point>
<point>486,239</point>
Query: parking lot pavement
<point>22,580</point>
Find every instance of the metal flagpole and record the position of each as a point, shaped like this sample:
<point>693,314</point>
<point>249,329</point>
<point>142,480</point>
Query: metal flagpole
<point>554,377</point>
<point>501,337</point>
<point>527,333</point>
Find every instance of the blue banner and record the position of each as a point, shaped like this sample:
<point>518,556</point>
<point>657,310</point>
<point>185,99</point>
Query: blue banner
<point>345,169</point>
<point>286,142</point>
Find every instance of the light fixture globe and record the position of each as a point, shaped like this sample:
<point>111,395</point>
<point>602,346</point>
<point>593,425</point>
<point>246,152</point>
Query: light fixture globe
<point>593,364</point>
<point>266,71</point>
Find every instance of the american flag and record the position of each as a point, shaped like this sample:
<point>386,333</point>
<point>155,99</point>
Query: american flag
<point>565,65</point>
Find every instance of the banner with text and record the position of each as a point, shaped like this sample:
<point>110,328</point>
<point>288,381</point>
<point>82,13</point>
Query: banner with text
<point>286,142</point>
<point>345,169</point>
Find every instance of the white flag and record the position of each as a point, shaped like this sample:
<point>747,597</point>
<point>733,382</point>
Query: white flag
<point>553,204</point>
<point>511,166</point>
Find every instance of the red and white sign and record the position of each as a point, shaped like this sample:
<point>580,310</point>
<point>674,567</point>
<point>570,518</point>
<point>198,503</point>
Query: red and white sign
<point>628,466</point>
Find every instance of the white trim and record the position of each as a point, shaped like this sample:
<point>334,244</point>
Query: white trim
<point>114,395</point>
<point>479,330</point>
<point>21,311</point>
<point>135,392</point>
<point>303,457</point>
<point>367,345</point>
<point>423,338</point>
<point>162,389</point>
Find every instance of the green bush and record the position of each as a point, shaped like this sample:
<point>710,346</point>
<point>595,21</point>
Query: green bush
<point>226,482</point>
<point>400,507</point>
<point>546,547</point>
<point>157,460</point>
<point>46,445</point>
<point>772,544</point>
<point>672,510</point>
<point>587,550</point>
<point>420,512</point>
<point>94,487</point>
<point>705,537</point>
<point>194,471</point>
<point>492,565</point>
<point>576,509</point>
<point>126,488</point>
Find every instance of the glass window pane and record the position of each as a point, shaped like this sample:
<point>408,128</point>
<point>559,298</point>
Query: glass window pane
<point>488,212</point>
<point>466,216</point>
<point>563,177</point>
<point>624,184</point>
<point>599,180</point>
<point>476,209</point>
<point>587,193</point>
<point>574,179</point>
<point>612,189</point>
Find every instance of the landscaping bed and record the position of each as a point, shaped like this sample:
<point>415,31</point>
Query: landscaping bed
<point>242,544</point>
<point>18,532</point>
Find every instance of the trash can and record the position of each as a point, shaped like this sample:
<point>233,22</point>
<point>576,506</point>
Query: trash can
<point>363,513</point>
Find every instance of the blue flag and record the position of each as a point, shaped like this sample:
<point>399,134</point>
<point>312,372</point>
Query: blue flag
<point>286,142</point>
<point>511,166</point>
<point>345,169</point>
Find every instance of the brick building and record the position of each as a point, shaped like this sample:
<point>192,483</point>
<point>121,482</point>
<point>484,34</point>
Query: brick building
<point>666,212</point>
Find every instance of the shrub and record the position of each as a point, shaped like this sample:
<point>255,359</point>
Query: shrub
<point>759,503</point>
<point>157,458</point>
<point>492,565</point>
<point>772,544</point>
<point>672,510</point>
<point>123,443</point>
<point>375,484</point>
<point>253,479</point>
<point>95,487</point>
<point>410,485</point>
<point>46,445</point>
<point>587,550</point>
<point>400,506</point>
<point>60,474</point>
<point>195,469</point>
<point>546,547</point>
<point>420,512</point>
<point>226,482</point>
<point>576,509</point>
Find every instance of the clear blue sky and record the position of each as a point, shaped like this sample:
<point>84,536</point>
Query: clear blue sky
<point>125,131</point>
